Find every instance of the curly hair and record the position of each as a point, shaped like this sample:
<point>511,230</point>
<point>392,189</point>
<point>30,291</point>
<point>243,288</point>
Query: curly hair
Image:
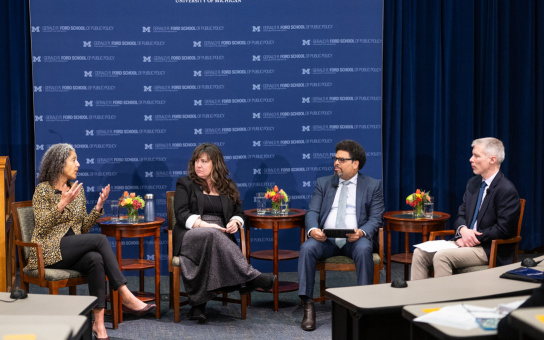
<point>219,175</point>
<point>355,150</point>
<point>53,162</point>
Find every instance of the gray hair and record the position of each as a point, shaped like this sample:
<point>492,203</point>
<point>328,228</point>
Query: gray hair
<point>53,162</point>
<point>492,147</point>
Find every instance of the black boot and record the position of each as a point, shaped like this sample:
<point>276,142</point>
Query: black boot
<point>308,321</point>
<point>263,281</point>
<point>197,313</point>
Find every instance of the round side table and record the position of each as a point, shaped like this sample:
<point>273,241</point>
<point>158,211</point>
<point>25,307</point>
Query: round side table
<point>404,222</point>
<point>140,230</point>
<point>295,219</point>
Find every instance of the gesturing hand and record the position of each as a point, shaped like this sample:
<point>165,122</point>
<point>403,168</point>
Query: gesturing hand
<point>67,195</point>
<point>103,196</point>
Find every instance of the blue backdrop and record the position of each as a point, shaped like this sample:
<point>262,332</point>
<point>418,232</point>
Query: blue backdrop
<point>135,87</point>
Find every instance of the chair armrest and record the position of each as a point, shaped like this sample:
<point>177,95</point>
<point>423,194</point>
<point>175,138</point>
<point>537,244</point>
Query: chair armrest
<point>441,233</point>
<point>495,247</point>
<point>39,258</point>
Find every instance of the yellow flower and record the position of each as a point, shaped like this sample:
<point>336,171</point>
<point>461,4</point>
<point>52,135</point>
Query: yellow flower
<point>128,201</point>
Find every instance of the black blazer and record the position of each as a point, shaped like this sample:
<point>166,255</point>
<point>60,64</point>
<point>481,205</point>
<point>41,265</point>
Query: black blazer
<point>498,216</point>
<point>189,200</point>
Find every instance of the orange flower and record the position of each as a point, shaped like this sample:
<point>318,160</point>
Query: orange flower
<point>418,192</point>
<point>122,203</point>
<point>125,194</point>
<point>132,194</point>
<point>276,188</point>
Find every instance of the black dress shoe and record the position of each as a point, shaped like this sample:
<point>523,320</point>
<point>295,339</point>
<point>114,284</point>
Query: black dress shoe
<point>308,321</point>
<point>197,313</point>
<point>140,312</point>
<point>95,337</point>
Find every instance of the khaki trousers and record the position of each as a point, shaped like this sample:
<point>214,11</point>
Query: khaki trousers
<point>444,261</point>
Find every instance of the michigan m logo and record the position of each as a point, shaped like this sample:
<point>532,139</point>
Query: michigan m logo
<point>146,29</point>
<point>256,58</point>
<point>35,29</point>
<point>88,103</point>
<point>147,59</point>
<point>147,88</point>
<point>89,132</point>
<point>256,143</point>
<point>305,156</point>
<point>86,44</point>
<point>305,128</point>
<point>306,184</point>
<point>305,42</point>
<point>36,59</point>
<point>90,160</point>
<point>38,118</point>
<point>198,131</point>
<point>197,73</point>
<point>256,171</point>
<point>149,174</point>
<point>37,89</point>
<point>305,71</point>
<point>148,118</point>
<point>148,146</point>
<point>198,102</point>
<point>256,29</point>
<point>305,100</point>
<point>256,87</point>
<point>87,73</point>
<point>90,189</point>
<point>256,115</point>
<point>197,43</point>
<point>39,147</point>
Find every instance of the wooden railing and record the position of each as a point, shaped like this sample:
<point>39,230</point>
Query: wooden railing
<point>7,235</point>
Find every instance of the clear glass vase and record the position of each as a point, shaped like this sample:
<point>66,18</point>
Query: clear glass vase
<point>275,208</point>
<point>418,211</point>
<point>132,215</point>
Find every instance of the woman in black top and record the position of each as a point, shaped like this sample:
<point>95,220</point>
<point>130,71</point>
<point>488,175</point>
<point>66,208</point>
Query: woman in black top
<point>208,212</point>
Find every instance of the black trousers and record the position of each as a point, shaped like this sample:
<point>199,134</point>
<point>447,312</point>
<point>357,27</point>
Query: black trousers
<point>91,254</point>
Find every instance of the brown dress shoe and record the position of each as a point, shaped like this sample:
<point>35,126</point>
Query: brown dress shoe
<point>308,322</point>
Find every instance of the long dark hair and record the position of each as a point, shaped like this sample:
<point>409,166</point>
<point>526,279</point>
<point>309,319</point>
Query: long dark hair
<point>219,175</point>
<point>53,163</point>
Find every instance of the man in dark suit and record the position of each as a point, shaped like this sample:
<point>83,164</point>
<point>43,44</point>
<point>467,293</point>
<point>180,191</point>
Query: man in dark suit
<point>490,210</point>
<point>358,205</point>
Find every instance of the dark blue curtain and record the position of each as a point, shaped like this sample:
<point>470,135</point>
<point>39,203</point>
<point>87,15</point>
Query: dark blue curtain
<point>16,116</point>
<point>454,71</point>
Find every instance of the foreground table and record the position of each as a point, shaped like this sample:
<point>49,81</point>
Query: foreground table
<point>368,312</point>
<point>140,230</point>
<point>57,306</point>
<point>419,330</point>
<point>404,222</point>
<point>295,219</point>
<point>525,319</point>
<point>48,327</point>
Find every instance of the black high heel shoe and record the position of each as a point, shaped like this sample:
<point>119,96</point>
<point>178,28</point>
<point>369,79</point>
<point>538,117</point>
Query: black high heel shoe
<point>140,312</point>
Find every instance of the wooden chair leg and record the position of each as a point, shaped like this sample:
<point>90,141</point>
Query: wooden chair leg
<point>114,296</point>
<point>176,287</point>
<point>322,284</point>
<point>72,290</point>
<point>243,301</point>
<point>171,297</point>
<point>376,274</point>
<point>54,290</point>
<point>225,297</point>
<point>24,286</point>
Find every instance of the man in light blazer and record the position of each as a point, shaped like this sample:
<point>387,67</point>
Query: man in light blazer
<point>482,218</point>
<point>361,211</point>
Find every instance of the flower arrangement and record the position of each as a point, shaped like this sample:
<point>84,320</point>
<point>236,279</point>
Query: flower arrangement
<point>133,203</point>
<point>416,201</point>
<point>276,196</point>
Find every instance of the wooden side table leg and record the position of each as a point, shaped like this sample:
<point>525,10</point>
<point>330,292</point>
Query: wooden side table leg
<point>142,257</point>
<point>275,266</point>
<point>157,273</point>
<point>388,267</point>
<point>119,260</point>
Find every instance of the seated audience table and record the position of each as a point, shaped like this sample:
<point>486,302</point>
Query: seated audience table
<point>368,312</point>
<point>420,330</point>
<point>404,222</point>
<point>525,319</point>
<point>57,306</point>
<point>142,229</point>
<point>295,219</point>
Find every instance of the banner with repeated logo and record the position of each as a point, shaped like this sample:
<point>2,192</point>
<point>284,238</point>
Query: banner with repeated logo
<point>136,86</point>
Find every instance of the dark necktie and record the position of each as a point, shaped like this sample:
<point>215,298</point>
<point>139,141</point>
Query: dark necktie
<point>478,203</point>
<point>341,215</point>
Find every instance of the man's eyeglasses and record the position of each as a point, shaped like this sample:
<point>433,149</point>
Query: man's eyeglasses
<point>341,160</point>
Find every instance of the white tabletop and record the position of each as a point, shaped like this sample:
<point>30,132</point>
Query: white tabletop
<point>443,332</point>
<point>45,304</point>
<point>37,332</point>
<point>384,298</point>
